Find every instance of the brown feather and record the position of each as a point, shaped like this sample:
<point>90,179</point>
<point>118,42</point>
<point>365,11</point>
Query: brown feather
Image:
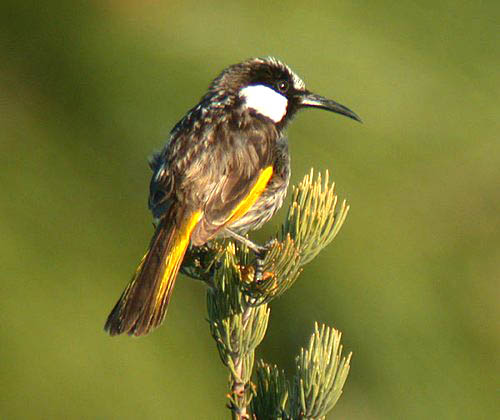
<point>143,304</point>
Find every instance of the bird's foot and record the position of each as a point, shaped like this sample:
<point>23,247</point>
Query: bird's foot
<point>259,251</point>
<point>260,258</point>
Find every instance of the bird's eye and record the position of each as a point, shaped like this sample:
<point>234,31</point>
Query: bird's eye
<point>282,86</point>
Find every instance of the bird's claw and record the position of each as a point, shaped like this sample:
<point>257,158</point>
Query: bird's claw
<point>260,257</point>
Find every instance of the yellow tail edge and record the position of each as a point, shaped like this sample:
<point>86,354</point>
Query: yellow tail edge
<point>143,304</point>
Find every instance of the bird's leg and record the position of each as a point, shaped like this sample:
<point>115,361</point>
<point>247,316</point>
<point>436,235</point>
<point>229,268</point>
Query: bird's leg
<point>258,250</point>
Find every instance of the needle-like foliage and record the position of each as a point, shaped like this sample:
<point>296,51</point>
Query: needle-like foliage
<point>238,311</point>
<point>321,374</point>
<point>272,390</point>
<point>312,222</point>
<point>313,219</point>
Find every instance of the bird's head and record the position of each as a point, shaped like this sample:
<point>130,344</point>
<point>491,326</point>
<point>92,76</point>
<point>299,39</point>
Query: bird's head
<point>270,88</point>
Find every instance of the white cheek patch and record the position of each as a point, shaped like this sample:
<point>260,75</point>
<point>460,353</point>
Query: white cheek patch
<point>265,101</point>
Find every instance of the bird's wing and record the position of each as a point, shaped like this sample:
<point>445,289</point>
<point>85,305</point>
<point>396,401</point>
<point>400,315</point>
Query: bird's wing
<point>222,173</point>
<point>238,175</point>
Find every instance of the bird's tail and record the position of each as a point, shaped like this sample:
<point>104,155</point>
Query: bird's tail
<point>143,304</point>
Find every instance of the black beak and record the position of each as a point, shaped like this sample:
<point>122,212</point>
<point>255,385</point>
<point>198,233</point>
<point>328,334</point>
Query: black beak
<point>308,99</point>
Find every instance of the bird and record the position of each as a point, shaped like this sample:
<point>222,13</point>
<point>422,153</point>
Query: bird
<point>224,171</point>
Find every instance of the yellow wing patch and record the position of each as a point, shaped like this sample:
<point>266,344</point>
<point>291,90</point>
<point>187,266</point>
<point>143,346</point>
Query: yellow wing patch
<point>253,195</point>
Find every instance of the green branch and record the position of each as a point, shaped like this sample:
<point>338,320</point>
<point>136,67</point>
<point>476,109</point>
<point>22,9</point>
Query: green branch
<point>238,311</point>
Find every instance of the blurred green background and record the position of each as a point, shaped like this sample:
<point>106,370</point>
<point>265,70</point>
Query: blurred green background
<point>90,89</point>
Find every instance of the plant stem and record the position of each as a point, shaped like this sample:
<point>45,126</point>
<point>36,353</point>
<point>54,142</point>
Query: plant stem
<point>239,384</point>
